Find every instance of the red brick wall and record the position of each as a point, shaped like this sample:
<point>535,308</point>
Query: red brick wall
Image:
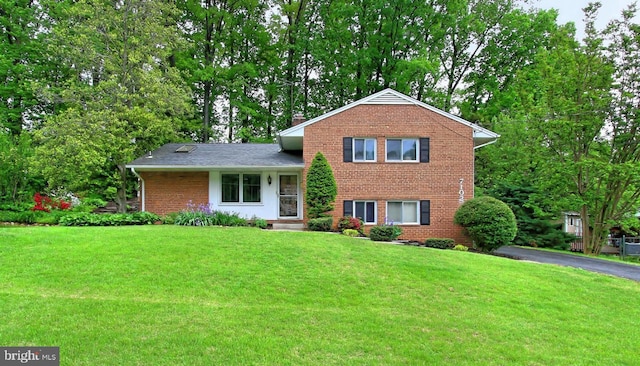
<point>167,192</point>
<point>451,159</point>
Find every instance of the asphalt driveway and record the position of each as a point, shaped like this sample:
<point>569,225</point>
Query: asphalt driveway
<point>623,270</point>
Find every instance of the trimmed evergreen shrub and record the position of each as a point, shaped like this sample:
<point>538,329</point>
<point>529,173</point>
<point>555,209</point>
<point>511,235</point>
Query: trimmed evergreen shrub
<point>320,224</point>
<point>440,243</point>
<point>321,190</point>
<point>385,232</point>
<point>489,222</point>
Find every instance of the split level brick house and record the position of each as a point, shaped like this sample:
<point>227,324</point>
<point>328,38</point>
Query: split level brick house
<point>395,159</point>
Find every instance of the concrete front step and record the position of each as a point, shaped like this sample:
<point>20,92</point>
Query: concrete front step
<point>288,226</point>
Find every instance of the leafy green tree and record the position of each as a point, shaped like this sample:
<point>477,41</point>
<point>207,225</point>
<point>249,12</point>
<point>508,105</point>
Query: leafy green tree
<point>231,63</point>
<point>121,98</point>
<point>576,109</point>
<point>468,27</point>
<point>519,37</point>
<point>489,222</point>
<point>321,190</point>
<point>534,225</point>
<point>21,59</point>
<point>566,114</point>
<point>17,182</point>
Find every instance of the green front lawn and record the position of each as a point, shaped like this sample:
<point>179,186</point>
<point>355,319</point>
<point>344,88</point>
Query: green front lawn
<point>167,295</point>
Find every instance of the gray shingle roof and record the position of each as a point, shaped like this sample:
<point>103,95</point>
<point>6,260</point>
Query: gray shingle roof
<point>218,156</point>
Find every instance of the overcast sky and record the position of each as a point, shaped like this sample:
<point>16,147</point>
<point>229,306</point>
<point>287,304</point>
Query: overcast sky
<point>571,11</point>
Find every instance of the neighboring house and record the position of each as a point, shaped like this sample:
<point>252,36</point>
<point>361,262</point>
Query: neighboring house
<point>572,223</point>
<point>395,160</point>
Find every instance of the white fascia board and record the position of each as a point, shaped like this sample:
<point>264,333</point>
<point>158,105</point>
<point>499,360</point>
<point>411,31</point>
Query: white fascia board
<point>150,168</point>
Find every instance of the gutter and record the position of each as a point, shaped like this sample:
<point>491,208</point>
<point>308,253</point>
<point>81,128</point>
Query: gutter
<point>141,192</point>
<point>280,143</point>
<point>485,144</point>
<point>209,168</point>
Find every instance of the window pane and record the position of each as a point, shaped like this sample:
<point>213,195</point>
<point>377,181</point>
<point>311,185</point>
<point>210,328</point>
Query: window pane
<point>360,210</point>
<point>358,149</point>
<point>370,212</point>
<point>288,185</point>
<point>251,188</point>
<point>394,212</point>
<point>370,149</point>
<point>230,187</point>
<point>409,149</point>
<point>410,212</point>
<point>394,149</point>
<point>288,206</point>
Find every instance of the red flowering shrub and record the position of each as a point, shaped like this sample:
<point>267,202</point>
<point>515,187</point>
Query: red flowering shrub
<point>46,203</point>
<point>348,222</point>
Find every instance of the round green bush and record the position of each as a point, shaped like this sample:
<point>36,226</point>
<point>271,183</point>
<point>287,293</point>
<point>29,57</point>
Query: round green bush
<point>385,232</point>
<point>489,222</point>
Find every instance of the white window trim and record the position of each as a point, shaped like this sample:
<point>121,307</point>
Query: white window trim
<point>241,190</point>
<point>416,202</point>
<point>364,160</point>
<point>375,211</point>
<point>402,139</point>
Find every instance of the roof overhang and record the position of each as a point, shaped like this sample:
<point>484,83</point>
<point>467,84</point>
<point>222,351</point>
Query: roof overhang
<point>481,138</point>
<point>176,168</point>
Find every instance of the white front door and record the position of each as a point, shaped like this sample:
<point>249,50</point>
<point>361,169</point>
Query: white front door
<point>288,195</point>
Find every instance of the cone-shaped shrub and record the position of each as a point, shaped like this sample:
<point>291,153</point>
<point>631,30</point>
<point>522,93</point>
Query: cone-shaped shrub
<point>321,187</point>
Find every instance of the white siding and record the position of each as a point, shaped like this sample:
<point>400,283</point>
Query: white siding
<point>267,209</point>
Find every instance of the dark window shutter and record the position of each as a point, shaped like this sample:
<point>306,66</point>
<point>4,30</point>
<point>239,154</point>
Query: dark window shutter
<point>347,208</point>
<point>347,143</point>
<point>425,212</point>
<point>424,150</point>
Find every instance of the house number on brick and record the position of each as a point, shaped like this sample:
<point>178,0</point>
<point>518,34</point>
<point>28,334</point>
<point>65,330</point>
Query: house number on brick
<point>461,192</point>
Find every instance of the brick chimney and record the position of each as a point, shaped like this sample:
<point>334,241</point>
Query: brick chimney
<point>298,118</point>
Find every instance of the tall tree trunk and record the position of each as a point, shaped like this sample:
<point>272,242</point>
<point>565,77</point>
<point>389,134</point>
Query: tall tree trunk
<point>586,231</point>
<point>206,124</point>
<point>121,195</point>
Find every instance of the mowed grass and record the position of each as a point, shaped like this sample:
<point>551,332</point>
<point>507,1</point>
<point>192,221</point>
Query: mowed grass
<point>166,295</point>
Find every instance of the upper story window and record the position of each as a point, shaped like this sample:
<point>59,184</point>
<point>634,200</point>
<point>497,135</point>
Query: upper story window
<point>364,149</point>
<point>398,149</point>
<point>241,188</point>
<point>402,149</point>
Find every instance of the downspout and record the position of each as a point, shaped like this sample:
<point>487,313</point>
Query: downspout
<point>141,192</point>
<point>279,143</point>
